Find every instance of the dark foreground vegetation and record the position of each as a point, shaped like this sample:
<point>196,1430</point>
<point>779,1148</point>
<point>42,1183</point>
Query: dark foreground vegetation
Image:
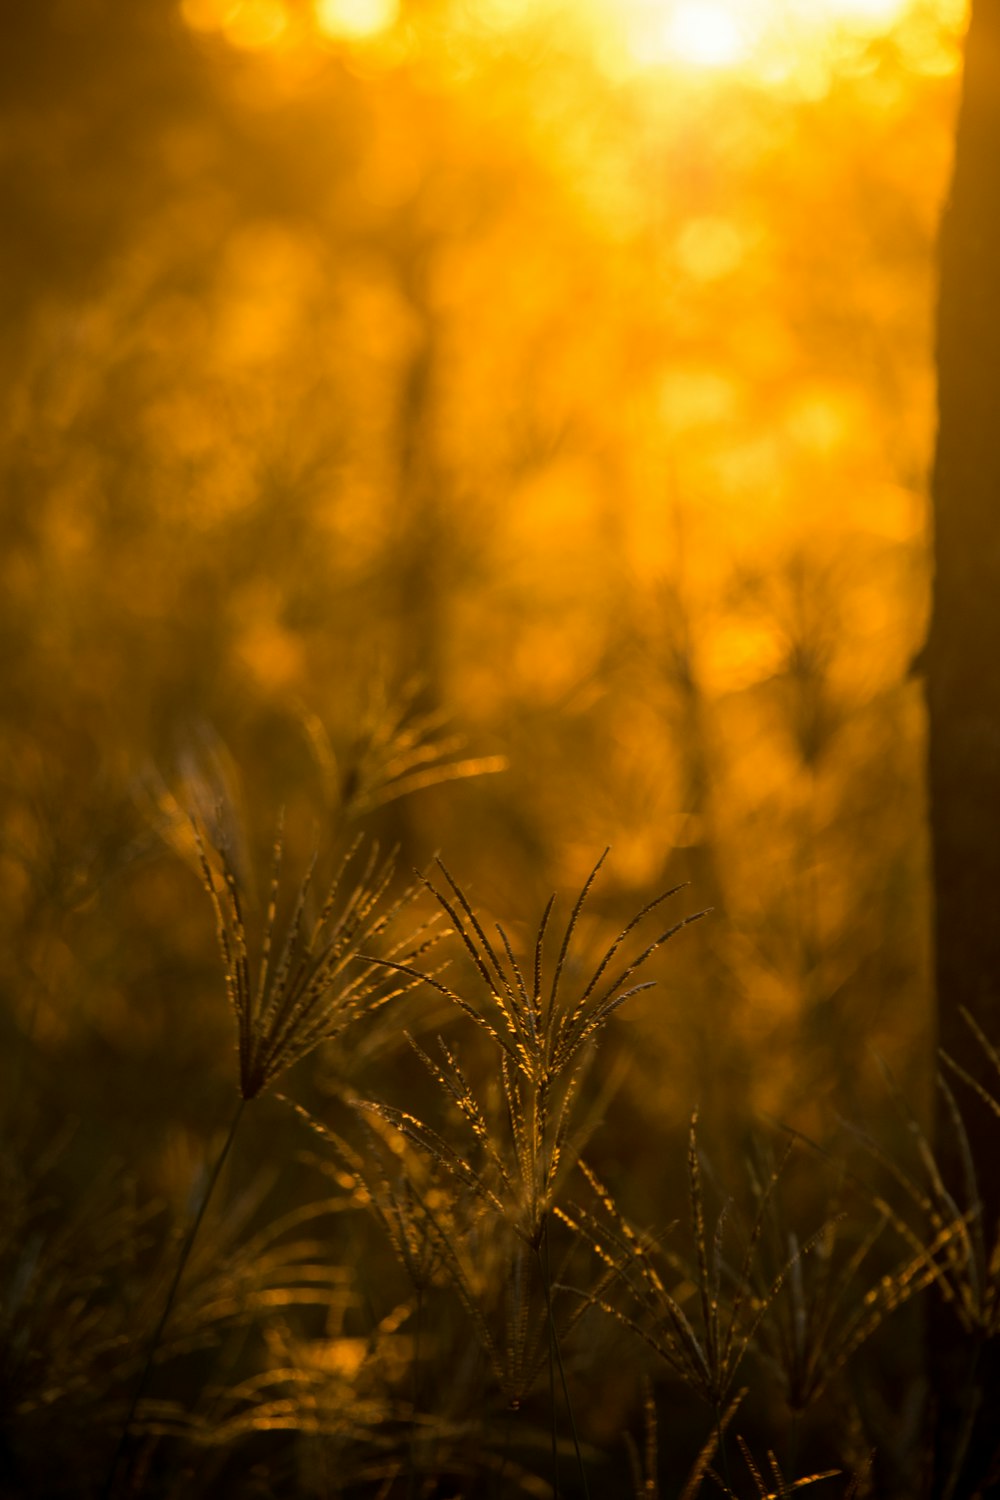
<point>460,1256</point>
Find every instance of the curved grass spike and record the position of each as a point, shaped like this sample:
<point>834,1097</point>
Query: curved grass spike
<point>730,1310</point>
<point>822,1316</point>
<point>397,751</point>
<point>783,1488</point>
<point>950,1247</point>
<point>702,1464</point>
<point>645,1479</point>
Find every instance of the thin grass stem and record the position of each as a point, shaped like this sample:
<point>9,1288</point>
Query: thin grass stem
<point>792,1457</point>
<point>720,1429</point>
<point>154,1342</point>
<point>24,1048</point>
<point>970,1410</point>
<point>552,1384</point>
<point>543,1260</point>
<point>415,1390</point>
<point>504,1452</point>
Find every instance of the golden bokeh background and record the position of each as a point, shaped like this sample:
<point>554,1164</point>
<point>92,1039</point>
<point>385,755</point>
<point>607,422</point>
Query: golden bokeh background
<point>563,369</point>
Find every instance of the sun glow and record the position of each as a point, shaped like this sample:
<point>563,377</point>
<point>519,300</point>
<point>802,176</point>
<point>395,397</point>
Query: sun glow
<point>794,46</point>
<point>756,34</point>
<point>705,33</point>
<point>355,19</point>
<point>695,33</point>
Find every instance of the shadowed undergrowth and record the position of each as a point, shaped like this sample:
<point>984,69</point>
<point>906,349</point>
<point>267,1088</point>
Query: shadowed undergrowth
<point>428,1290</point>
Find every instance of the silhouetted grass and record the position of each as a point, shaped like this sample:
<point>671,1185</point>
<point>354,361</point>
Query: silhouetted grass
<point>390,1335</point>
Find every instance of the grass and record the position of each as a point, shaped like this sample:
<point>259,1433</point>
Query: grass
<point>467,1300</point>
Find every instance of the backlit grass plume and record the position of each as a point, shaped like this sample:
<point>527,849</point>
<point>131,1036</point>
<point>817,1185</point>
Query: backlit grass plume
<point>829,1303</point>
<point>396,750</point>
<point>542,1029</point>
<point>706,1348</point>
<point>973,1257</point>
<point>951,1245</point>
<point>306,989</point>
<point>772,1486</point>
<point>300,991</point>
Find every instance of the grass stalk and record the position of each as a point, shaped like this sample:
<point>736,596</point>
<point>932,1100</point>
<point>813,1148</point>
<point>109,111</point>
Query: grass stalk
<point>415,1390</point>
<point>720,1429</point>
<point>24,1047</point>
<point>792,1456</point>
<point>508,1434</point>
<point>970,1410</point>
<point>552,1387</point>
<point>543,1261</point>
<point>154,1342</point>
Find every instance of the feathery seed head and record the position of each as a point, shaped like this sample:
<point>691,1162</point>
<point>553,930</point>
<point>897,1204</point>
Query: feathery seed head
<point>542,1031</point>
<point>298,991</point>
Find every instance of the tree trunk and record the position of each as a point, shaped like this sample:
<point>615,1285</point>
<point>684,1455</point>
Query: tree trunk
<point>963,695</point>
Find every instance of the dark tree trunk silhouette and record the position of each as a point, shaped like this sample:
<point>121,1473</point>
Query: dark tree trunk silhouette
<point>963,694</point>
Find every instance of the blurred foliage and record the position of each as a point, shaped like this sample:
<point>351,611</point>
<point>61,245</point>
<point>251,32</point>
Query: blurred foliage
<point>594,402</point>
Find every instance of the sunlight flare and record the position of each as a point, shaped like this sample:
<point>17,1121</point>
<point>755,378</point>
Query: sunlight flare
<point>731,35</point>
<point>699,33</point>
<point>705,33</point>
<point>355,19</point>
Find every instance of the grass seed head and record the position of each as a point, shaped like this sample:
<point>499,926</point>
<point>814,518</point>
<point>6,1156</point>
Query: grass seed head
<point>307,978</point>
